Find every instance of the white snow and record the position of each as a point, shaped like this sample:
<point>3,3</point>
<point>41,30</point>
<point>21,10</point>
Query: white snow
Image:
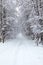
<point>20,51</point>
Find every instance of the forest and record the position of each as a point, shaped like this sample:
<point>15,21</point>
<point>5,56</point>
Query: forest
<point>19,16</point>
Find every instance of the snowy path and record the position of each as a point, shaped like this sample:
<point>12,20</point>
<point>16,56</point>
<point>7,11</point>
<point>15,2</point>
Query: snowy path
<point>20,52</point>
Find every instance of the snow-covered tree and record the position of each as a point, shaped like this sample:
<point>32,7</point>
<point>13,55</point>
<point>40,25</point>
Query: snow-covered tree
<point>21,16</point>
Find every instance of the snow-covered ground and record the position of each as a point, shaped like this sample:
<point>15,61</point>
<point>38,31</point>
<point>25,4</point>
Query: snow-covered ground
<point>21,51</point>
